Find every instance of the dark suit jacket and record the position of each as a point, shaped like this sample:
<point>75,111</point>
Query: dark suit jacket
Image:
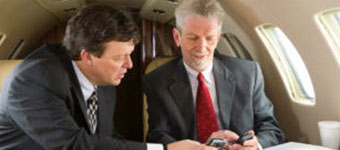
<point>241,99</point>
<point>42,107</point>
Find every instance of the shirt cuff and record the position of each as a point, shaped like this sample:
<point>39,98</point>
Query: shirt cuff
<point>151,146</point>
<point>259,147</point>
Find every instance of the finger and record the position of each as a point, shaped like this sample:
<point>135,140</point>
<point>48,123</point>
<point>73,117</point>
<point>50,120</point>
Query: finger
<point>229,135</point>
<point>250,143</point>
<point>240,147</point>
<point>209,148</point>
<point>226,147</point>
<point>252,132</point>
<point>235,147</point>
<point>217,134</point>
<point>225,134</point>
<point>229,147</point>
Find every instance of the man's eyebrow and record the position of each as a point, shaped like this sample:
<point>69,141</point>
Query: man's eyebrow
<point>191,34</point>
<point>119,55</point>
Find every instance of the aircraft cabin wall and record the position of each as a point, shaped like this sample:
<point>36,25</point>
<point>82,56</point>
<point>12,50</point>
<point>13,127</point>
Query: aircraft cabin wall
<point>22,20</point>
<point>296,20</point>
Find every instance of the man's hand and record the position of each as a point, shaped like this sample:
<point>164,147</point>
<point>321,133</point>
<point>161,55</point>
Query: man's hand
<point>189,145</point>
<point>225,134</point>
<point>247,145</point>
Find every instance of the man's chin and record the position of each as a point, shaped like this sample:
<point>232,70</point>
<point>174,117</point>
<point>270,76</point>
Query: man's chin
<point>116,83</point>
<point>199,66</point>
<point>112,83</point>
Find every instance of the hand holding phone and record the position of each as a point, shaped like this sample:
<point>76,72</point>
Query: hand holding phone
<point>220,142</point>
<point>242,138</point>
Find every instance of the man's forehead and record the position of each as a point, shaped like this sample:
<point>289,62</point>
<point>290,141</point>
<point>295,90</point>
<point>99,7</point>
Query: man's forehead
<point>120,47</point>
<point>190,17</point>
<point>197,32</point>
<point>114,43</point>
<point>191,22</point>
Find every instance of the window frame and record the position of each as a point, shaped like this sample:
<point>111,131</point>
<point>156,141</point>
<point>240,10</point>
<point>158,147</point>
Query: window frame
<point>327,29</point>
<point>291,77</point>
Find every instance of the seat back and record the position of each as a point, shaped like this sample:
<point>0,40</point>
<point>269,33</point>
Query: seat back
<point>6,66</point>
<point>152,66</point>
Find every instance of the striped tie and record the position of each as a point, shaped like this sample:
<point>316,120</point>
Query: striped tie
<point>92,107</point>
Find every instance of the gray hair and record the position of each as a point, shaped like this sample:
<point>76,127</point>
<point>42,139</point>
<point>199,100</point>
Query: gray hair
<point>200,8</point>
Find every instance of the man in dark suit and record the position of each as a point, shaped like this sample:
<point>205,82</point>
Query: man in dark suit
<point>63,96</point>
<point>227,101</point>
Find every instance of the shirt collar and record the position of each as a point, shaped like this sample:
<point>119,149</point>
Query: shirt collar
<point>86,86</point>
<point>207,73</point>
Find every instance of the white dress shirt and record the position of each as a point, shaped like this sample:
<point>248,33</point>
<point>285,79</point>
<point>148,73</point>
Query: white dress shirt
<point>87,88</point>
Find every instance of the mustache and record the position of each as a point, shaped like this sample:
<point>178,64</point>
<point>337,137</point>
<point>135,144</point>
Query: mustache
<point>198,53</point>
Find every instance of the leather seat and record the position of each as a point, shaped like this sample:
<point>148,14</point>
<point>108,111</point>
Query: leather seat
<point>6,66</point>
<point>152,66</point>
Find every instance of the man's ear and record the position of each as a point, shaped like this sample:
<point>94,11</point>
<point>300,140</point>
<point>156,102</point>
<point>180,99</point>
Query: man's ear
<point>86,57</point>
<point>177,36</point>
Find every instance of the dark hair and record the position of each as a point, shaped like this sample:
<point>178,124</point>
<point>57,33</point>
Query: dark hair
<point>94,25</point>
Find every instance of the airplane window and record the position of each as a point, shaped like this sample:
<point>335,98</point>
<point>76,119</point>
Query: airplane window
<point>2,37</point>
<point>329,23</point>
<point>237,46</point>
<point>289,62</point>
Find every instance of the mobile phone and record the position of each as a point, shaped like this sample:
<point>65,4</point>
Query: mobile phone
<point>216,142</point>
<point>242,138</point>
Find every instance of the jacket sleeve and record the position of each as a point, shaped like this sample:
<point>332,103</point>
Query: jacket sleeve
<point>159,129</point>
<point>36,105</point>
<point>266,126</point>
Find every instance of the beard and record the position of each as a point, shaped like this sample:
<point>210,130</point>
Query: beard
<point>199,64</point>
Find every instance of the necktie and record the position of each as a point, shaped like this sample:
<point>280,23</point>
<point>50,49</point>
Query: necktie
<point>205,114</point>
<point>92,107</point>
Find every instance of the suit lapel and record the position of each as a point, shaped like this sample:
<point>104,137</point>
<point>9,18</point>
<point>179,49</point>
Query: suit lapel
<point>76,90</point>
<point>225,88</point>
<point>76,97</point>
<point>180,90</point>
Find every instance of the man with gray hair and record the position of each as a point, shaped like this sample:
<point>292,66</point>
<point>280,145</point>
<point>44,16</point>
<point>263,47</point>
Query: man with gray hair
<point>204,95</point>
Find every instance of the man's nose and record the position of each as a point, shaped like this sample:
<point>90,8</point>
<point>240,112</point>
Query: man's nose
<point>128,63</point>
<point>202,44</point>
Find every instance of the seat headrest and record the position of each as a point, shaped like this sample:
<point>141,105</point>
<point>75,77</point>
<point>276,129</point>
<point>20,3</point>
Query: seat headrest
<point>157,62</point>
